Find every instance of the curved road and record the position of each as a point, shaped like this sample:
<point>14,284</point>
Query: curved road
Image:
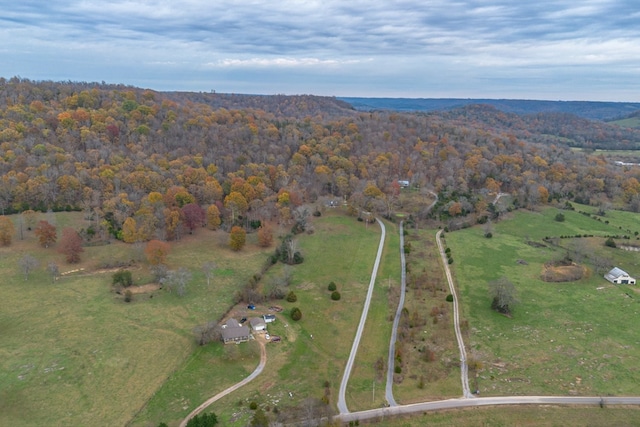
<point>396,322</point>
<point>342,404</point>
<point>464,376</point>
<point>254,374</point>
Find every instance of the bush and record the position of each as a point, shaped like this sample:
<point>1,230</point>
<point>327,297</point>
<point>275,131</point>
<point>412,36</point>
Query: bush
<point>335,295</point>
<point>292,297</point>
<point>203,420</point>
<point>123,278</point>
<point>332,286</point>
<point>296,314</point>
<point>559,217</point>
<point>397,369</point>
<point>253,406</point>
<point>488,235</point>
<point>128,296</point>
<point>450,261</point>
<point>610,242</point>
<point>449,298</point>
<point>407,248</point>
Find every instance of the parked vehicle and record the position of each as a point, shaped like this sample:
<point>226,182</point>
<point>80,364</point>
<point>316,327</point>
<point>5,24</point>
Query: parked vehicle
<point>251,307</point>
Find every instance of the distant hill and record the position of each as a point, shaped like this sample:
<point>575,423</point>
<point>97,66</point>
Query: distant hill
<point>630,121</point>
<point>587,109</point>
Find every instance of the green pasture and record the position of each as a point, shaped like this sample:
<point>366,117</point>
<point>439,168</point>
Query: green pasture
<point>73,353</point>
<point>564,338</point>
<point>517,416</point>
<point>312,351</point>
<point>366,388</point>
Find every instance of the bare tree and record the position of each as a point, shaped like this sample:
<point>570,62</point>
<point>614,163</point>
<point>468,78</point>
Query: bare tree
<point>28,263</point>
<point>207,333</point>
<point>177,280</point>
<point>208,269</point>
<point>53,270</point>
<point>503,295</point>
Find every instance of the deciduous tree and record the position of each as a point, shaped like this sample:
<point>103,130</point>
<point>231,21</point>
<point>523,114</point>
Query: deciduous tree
<point>28,263</point>
<point>71,245</point>
<point>237,238</point>
<point>503,295</point>
<point>156,252</point>
<point>46,233</point>
<point>6,230</point>
<point>213,217</point>
<point>193,215</point>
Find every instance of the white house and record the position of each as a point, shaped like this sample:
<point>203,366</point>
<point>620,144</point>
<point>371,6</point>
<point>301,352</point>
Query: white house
<point>268,318</point>
<point>403,183</point>
<point>619,277</point>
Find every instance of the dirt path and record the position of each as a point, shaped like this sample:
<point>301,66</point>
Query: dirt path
<point>464,376</point>
<point>254,374</point>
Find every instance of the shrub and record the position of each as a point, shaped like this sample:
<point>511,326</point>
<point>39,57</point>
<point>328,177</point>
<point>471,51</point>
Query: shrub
<point>450,261</point>
<point>292,297</point>
<point>335,295</point>
<point>559,217</point>
<point>610,242</point>
<point>397,369</point>
<point>488,235</point>
<point>123,278</point>
<point>253,406</point>
<point>332,286</point>
<point>296,314</point>
<point>128,296</point>
<point>449,298</point>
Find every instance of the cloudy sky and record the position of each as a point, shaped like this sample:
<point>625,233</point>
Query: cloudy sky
<point>545,49</point>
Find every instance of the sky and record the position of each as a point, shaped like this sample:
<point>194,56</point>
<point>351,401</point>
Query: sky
<point>499,49</point>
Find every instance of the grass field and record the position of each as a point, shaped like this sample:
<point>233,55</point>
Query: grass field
<point>518,416</point>
<point>564,338</point>
<point>73,353</point>
<point>312,351</point>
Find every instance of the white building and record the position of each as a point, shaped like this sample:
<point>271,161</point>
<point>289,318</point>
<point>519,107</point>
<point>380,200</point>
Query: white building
<point>619,277</point>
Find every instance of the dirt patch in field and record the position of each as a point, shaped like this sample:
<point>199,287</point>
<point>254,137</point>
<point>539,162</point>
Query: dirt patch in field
<point>143,289</point>
<point>563,273</point>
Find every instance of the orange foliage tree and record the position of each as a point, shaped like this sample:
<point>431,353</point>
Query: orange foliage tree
<point>6,230</point>
<point>46,233</point>
<point>157,251</point>
<point>237,238</point>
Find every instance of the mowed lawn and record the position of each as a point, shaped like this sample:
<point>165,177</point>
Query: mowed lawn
<point>572,338</point>
<point>74,353</point>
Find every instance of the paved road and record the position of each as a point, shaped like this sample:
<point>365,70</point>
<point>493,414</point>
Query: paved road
<point>342,404</point>
<point>464,374</point>
<point>486,401</point>
<point>254,374</point>
<point>396,322</point>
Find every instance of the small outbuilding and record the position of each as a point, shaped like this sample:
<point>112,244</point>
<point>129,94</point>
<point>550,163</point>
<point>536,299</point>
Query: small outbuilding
<point>619,277</point>
<point>257,324</point>
<point>233,331</point>
<point>268,318</point>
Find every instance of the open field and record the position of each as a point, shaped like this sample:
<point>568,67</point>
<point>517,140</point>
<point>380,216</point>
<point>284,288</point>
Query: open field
<point>73,353</point>
<point>312,351</point>
<point>519,416</point>
<point>564,338</point>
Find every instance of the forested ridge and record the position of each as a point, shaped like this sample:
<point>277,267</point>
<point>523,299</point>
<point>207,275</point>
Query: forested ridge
<point>129,154</point>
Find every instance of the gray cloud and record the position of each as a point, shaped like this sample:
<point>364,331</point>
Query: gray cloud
<point>498,48</point>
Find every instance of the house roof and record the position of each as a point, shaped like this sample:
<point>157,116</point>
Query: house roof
<point>615,273</point>
<point>233,333</point>
<point>269,317</point>
<point>233,330</point>
<point>257,322</point>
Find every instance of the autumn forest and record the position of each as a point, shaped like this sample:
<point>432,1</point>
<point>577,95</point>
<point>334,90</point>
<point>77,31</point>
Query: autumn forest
<point>150,165</point>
